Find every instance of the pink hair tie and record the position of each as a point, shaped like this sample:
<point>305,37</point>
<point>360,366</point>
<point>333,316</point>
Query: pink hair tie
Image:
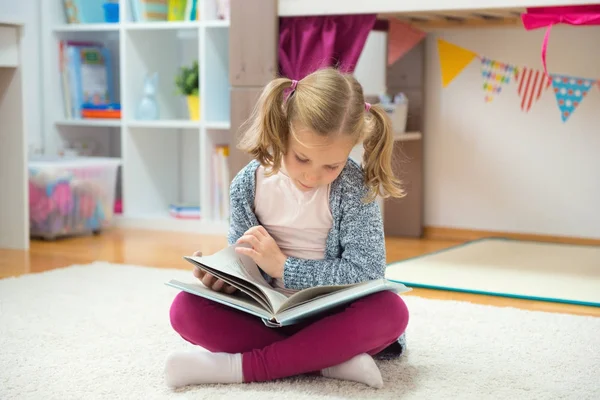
<point>294,84</point>
<point>367,106</point>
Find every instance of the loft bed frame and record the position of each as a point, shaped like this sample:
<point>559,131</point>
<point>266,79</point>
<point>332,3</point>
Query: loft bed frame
<point>427,14</point>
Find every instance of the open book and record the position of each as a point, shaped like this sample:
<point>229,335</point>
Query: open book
<point>256,296</point>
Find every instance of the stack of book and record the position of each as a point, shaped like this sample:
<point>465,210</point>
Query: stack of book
<point>184,211</point>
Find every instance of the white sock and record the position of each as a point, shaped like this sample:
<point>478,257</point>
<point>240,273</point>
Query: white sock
<point>197,367</point>
<point>361,368</point>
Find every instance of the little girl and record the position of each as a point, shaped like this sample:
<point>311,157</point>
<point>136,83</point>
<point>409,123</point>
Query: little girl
<point>307,214</point>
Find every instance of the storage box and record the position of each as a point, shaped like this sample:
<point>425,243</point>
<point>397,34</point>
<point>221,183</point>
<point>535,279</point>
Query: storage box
<point>70,196</point>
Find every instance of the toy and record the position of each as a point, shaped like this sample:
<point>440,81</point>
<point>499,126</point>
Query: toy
<point>148,108</point>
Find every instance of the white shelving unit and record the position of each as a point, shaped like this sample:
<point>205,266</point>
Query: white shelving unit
<point>165,161</point>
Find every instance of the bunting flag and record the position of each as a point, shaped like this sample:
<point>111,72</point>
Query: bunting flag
<point>402,37</point>
<point>570,92</point>
<point>531,85</point>
<point>453,59</point>
<point>495,74</point>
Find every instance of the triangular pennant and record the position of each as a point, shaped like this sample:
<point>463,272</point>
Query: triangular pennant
<point>453,59</point>
<point>570,92</point>
<point>531,85</point>
<point>495,74</point>
<point>402,37</point>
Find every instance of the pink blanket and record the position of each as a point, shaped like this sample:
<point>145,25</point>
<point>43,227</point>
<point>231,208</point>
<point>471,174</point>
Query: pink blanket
<point>539,17</point>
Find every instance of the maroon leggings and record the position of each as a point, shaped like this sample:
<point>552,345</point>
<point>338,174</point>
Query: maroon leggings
<point>367,325</point>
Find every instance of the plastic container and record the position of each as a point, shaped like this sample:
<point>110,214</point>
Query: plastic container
<point>71,196</point>
<point>111,12</point>
<point>397,110</point>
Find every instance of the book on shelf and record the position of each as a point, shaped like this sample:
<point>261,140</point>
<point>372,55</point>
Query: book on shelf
<point>84,11</point>
<point>86,80</point>
<point>164,10</point>
<point>185,211</point>
<point>220,181</point>
<point>255,296</point>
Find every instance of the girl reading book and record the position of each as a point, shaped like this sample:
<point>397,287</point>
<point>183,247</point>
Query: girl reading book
<point>306,214</point>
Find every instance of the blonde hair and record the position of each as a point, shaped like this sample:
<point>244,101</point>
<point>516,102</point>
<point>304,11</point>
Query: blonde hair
<point>326,102</point>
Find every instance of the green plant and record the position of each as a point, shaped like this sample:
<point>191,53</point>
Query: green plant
<point>187,80</point>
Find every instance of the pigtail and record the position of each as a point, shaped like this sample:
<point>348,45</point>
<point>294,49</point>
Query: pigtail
<point>266,138</point>
<point>377,156</point>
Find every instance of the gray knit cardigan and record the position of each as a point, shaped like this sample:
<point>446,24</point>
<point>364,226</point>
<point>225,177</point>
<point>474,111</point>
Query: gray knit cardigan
<point>355,247</point>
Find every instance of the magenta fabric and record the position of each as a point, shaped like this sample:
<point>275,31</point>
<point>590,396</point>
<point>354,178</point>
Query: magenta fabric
<point>367,325</point>
<point>539,17</point>
<point>310,43</point>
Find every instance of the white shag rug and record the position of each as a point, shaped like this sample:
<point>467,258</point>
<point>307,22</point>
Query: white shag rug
<point>101,331</point>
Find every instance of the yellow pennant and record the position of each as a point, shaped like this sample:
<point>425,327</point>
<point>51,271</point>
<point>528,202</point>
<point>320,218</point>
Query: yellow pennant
<point>453,59</point>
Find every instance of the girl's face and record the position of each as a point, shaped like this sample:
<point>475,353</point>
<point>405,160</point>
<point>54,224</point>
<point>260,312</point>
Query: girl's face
<point>312,160</point>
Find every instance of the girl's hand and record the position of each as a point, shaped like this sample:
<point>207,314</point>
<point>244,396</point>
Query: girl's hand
<point>264,251</point>
<point>210,281</point>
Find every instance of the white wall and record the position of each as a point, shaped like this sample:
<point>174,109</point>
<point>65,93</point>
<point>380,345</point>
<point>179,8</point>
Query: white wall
<point>494,167</point>
<point>27,11</point>
<point>372,64</point>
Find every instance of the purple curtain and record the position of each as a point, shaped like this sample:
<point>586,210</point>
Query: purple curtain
<point>309,43</point>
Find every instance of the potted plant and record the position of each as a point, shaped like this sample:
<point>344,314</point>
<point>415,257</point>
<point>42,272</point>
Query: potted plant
<point>187,82</point>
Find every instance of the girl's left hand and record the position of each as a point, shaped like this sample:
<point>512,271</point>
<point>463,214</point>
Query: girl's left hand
<point>264,251</point>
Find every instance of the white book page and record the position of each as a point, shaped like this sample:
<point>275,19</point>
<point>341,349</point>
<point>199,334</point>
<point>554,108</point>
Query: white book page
<point>243,267</point>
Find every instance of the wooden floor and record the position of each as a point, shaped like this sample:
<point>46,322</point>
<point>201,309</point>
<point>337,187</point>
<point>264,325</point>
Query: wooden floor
<point>165,250</point>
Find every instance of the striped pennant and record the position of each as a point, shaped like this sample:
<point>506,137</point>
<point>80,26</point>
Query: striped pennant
<point>531,85</point>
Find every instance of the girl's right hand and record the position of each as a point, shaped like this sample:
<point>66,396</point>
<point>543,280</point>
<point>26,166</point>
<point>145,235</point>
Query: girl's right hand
<point>210,281</point>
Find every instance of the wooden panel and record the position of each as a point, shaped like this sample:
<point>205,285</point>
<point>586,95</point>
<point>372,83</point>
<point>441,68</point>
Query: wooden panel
<point>404,217</point>
<point>408,71</point>
<point>253,33</point>
<point>243,101</point>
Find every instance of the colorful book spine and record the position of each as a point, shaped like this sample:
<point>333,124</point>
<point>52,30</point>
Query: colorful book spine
<point>177,10</point>
<point>185,211</point>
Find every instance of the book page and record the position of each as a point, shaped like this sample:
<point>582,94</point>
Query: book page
<point>310,294</point>
<point>326,301</point>
<point>242,285</point>
<point>242,267</point>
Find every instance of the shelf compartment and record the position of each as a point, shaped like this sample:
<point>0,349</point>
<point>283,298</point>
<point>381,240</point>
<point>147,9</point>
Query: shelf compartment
<point>162,168</point>
<point>160,52</point>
